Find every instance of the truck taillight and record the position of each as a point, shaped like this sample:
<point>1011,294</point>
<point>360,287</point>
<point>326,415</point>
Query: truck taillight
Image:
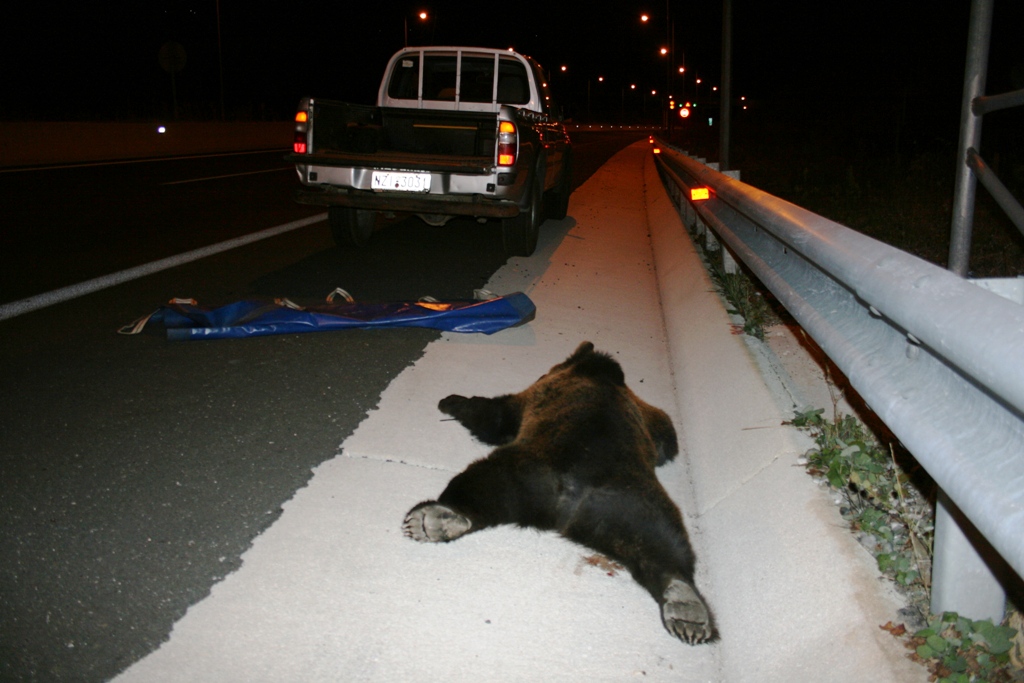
<point>301,121</point>
<point>508,143</point>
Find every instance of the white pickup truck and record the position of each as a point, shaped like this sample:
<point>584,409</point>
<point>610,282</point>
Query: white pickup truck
<point>457,131</point>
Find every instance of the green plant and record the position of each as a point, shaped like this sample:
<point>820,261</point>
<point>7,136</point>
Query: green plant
<point>958,650</point>
<point>876,496</point>
<point>744,297</point>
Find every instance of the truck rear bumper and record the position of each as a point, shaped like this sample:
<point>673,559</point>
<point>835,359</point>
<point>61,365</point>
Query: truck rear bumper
<point>449,205</point>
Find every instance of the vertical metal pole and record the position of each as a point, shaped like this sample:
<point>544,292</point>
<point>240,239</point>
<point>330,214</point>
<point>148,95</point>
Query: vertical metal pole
<point>668,69</point>
<point>962,581</point>
<point>220,61</point>
<point>978,34</point>
<point>726,99</point>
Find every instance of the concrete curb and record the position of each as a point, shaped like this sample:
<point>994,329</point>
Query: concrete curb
<point>797,597</point>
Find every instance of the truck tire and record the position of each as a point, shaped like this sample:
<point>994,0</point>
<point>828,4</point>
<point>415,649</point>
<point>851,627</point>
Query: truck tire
<point>351,227</point>
<point>558,196</point>
<point>519,233</point>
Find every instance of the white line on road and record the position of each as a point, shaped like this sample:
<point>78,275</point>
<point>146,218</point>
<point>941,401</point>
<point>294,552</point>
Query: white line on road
<point>38,301</point>
<point>229,175</point>
<point>118,162</point>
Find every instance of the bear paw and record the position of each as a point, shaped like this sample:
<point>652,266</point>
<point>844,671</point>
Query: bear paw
<point>434,523</point>
<point>684,613</point>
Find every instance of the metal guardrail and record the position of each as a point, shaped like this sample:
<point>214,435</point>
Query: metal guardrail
<point>938,358</point>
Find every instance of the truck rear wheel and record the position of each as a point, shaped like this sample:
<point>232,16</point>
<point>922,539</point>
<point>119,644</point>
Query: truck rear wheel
<point>519,234</point>
<point>351,227</point>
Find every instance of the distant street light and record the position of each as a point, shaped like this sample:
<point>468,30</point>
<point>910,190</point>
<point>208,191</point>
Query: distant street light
<point>600,79</point>
<point>422,16</point>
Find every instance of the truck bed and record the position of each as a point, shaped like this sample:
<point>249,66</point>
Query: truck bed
<point>342,131</point>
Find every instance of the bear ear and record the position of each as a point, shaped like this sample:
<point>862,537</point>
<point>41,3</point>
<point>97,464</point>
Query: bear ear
<point>581,352</point>
<point>583,349</point>
<point>587,362</point>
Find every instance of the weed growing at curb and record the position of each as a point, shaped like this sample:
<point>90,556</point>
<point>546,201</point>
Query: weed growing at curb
<point>959,650</point>
<point>891,515</point>
<point>886,497</point>
<point>746,299</point>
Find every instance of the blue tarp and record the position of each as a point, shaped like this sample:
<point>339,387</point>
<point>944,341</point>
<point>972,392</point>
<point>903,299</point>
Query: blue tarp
<point>186,320</point>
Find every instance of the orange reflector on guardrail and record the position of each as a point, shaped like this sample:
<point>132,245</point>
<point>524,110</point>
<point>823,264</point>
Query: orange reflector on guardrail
<point>699,194</point>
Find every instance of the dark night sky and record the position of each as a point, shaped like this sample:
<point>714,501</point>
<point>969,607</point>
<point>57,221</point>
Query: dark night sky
<point>99,60</point>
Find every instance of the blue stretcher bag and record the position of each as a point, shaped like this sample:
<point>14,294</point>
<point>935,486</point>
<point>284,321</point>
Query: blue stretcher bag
<point>185,320</point>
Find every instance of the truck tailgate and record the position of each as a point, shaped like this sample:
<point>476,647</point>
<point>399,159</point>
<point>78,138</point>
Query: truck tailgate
<point>398,161</point>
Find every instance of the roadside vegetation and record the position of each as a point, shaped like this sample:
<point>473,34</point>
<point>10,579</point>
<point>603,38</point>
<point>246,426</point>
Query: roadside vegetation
<point>889,502</point>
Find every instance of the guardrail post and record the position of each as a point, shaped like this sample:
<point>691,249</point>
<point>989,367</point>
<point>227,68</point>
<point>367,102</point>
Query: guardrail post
<point>728,258</point>
<point>962,580</point>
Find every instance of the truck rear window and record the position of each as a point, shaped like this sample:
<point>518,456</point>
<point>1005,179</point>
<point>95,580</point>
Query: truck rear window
<point>405,79</point>
<point>476,84</point>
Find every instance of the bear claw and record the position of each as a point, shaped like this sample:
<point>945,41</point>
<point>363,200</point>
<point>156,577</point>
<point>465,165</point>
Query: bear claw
<point>434,523</point>
<point>685,615</point>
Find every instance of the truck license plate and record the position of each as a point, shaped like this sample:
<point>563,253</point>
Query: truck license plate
<point>400,182</point>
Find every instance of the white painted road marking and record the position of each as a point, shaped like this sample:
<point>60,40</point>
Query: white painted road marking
<point>229,175</point>
<point>38,301</point>
<point>117,162</point>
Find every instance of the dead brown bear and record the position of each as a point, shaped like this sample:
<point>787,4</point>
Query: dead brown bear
<point>576,453</point>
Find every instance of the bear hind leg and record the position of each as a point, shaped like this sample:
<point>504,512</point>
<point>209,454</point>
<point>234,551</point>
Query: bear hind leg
<point>645,533</point>
<point>431,522</point>
<point>684,613</point>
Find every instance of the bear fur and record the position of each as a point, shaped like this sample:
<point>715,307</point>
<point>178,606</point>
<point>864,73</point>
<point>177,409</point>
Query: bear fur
<point>575,453</point>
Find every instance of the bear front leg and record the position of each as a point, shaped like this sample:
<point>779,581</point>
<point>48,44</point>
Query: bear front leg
<point>507,487</point>
<point>434,523</point>
<point>493,421</point>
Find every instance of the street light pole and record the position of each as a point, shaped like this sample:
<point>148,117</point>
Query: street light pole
<point>220,60</point>
<point>667,120</point>
<point>726,98</point>
<point>422,16</point>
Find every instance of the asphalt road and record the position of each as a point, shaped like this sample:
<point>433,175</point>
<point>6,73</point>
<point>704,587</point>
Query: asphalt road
<point>134,471</point>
